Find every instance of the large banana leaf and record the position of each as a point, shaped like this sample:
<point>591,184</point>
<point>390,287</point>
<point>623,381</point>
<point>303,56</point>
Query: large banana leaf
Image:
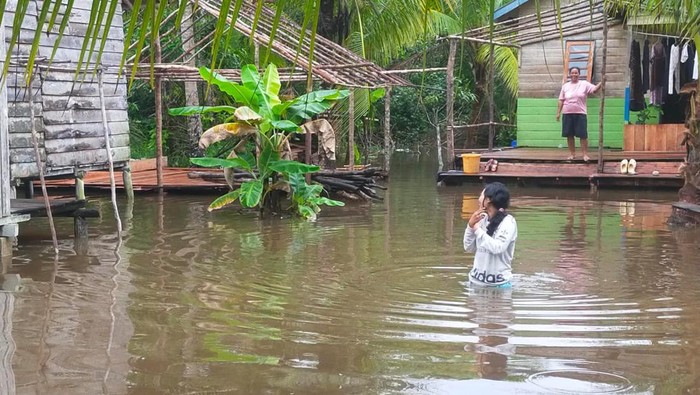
<point>240,94</point>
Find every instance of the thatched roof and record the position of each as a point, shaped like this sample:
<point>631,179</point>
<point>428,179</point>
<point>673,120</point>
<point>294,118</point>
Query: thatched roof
<point>332,63</point>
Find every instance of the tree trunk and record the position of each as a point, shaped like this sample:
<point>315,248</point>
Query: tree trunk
<point>194,123</point>
<point>690,193</point>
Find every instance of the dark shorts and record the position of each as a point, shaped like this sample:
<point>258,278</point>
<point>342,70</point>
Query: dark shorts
<point>574,125</point>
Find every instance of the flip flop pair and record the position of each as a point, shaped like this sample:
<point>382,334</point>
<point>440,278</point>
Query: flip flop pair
<point>628,166</point>
<point>491,165</point>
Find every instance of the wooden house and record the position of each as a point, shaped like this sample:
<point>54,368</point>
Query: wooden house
<point>67,112</point>
<point>555,40</point>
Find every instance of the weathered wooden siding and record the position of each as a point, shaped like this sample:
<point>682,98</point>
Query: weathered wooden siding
<point>542,64</point>
<point>67,112</point>
<point>537,126</point>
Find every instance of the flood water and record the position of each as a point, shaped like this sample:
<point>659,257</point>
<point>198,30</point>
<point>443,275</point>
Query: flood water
<point>370,299</point>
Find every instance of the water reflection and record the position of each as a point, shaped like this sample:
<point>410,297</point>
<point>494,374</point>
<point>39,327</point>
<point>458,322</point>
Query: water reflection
<point>369,299</point>
<point>493,313</point>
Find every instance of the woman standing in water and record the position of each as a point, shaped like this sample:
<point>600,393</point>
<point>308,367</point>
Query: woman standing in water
<point>491,233</point>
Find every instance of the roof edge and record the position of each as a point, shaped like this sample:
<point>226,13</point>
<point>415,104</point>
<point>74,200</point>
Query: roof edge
<point>508,8</point>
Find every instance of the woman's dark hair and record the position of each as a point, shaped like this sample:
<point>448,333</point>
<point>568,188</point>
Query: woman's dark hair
<point>574,67</point>
<point>500,198</point>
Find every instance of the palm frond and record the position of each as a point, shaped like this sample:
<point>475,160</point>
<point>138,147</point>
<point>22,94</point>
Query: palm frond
<point>506,65</point>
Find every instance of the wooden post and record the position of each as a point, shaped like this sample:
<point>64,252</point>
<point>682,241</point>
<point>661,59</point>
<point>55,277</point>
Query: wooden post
<point>601,115</point>
<point>450,105</point>
<point>39,164</point>
<point>108,148</point>
<point>387,129</point>
<point>128,183</point>
<point>492,89</point>
<point>80,227</point>
<point>351,130</point>
<point>29,189</point>
<point>5,188</point>
<point>194,122</point>
<point>439,146</point>
<point>159,120</point>
<point>308,136</point>
<point>80,185</point>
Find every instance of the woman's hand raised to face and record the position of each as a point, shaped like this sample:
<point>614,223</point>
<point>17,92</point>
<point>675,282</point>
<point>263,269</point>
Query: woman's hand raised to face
<point>476,217</point>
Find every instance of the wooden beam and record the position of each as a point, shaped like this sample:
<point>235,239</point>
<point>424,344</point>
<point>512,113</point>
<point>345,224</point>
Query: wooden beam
<point>450,105</point>
<point>351,130</point>
<point>601,115</point>
<point>409,71</point>
<point>5,188</point>
<point>158,91</point>
<point>387,130</point>
<point>492,89</point>
<point>482,41</point>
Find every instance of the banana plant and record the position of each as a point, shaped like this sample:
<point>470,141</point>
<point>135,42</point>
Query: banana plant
<point>265,119</point>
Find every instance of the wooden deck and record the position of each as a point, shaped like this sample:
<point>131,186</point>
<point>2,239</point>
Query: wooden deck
<point>174,179</point>
<point>549,167</point>
<point>62,207</point>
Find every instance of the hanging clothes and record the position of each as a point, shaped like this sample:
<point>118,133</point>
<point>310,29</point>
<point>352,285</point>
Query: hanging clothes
<point>667,51</point>
<point>674,70</point>
<point>637,102</point>
<point>645,67</point>
<point>687,60</point>
<point>695,66</point>
<point>658,60</point>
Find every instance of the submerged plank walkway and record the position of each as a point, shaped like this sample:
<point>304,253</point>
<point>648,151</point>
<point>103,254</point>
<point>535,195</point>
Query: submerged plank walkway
<point>174,179</point>
<point>36,208</point>
<point>549,167</point>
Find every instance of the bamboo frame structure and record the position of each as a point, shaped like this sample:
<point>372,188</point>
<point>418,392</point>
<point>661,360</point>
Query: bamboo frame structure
<point>331,63</point>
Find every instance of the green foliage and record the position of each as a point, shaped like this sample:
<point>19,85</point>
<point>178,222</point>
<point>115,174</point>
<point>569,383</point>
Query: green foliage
<point>649,113</point>
<point>264,113</point>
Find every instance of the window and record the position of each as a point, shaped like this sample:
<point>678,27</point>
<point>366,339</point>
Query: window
<point>579,54</point>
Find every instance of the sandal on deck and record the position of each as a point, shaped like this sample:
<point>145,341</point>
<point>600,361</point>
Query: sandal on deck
<point>494,165</point>
<point>623,166</point>
<point>570,157</point>
<point>487,166</point>
<point>632,166</point>
<point>586,158</point>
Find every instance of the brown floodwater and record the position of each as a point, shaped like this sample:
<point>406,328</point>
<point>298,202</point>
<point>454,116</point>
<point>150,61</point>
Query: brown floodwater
<point>368,299</point>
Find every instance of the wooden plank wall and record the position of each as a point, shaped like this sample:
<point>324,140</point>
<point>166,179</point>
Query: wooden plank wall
<point>537,126</point>
<point>67,112</point>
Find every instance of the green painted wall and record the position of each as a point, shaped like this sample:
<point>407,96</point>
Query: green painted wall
<point>537,126</point>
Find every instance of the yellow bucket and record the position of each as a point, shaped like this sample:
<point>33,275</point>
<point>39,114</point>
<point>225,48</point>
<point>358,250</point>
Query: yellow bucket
<point>470,163</point>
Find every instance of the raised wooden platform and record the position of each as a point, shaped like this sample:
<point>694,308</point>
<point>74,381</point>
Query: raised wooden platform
<point>62,207</point>
<point>174,179</point>
<point>549,167</point>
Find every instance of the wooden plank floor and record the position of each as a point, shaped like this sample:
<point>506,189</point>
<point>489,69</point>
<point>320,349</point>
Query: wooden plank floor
<point>560,155</point>
<point>546,167</point>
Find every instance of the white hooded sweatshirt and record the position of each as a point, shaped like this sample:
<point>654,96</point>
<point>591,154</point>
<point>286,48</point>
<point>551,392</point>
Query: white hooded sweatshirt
<point>494,254</point>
